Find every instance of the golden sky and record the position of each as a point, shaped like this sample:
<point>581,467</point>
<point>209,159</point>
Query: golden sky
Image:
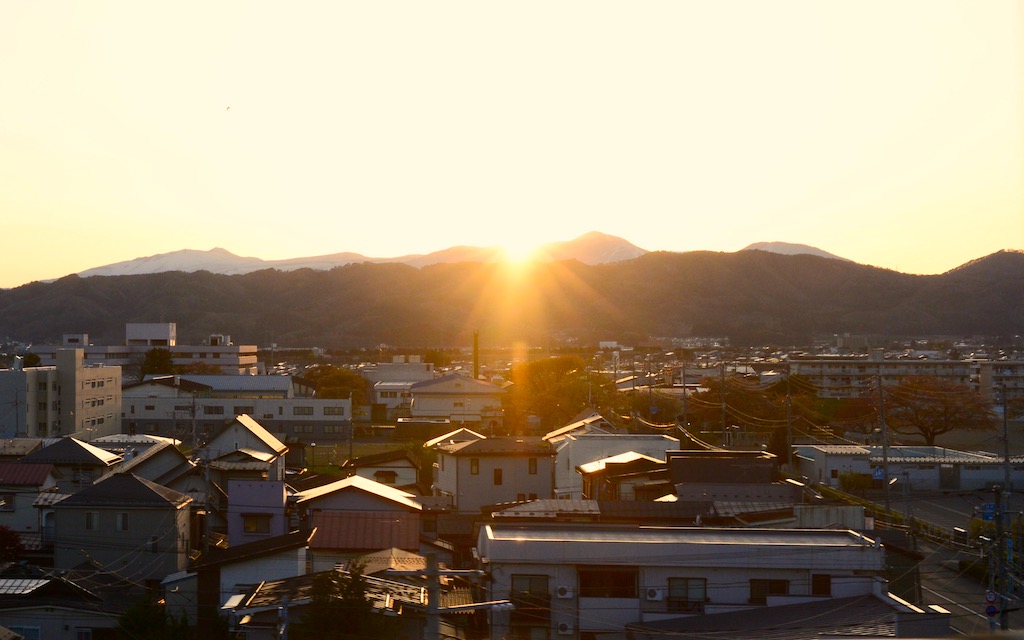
<point>887,132</point>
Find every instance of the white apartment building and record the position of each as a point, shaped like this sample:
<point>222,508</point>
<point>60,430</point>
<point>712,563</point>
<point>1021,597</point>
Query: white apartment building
<point>216,352</point>
<point>850,377</point>
<point>66,398</point>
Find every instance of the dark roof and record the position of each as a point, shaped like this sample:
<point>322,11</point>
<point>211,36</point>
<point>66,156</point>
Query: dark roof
<point>471,386</point>
<point>17,448</point>
<point>72,451</point>
<point>174,382</point>
<point>865,615</point>
<point>518,446</point>
<point>24,475</point>
<point>376,459</point>
<point>249,550</point>
<point>127,490</point>
<point>366,530</point>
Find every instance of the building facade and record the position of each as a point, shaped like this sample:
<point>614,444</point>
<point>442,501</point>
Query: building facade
<point>66,398</point>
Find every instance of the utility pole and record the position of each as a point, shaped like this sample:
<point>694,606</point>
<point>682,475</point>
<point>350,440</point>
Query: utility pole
<point>685,420</point>
<point>789,424</point>
<point>1001,568</point>
<point>885,444</point>
<point>721,394</point>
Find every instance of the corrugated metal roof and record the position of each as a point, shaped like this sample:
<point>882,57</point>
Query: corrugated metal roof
<point>20,474</point>
<point>20,586</point>
<point>365,530</point>
<point>359,483</point>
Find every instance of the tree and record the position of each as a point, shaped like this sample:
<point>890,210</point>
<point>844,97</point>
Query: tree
<point>11,548</point>
<point>929,407</point>
<point>339,382</point>
<point>554,389</point>
<point>31,360</point>
<point>157,361</point>
<point>148,618</point>
<point>336,597</point>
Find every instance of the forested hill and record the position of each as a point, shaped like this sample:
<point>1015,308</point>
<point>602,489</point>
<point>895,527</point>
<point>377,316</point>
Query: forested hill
<point>754,297</point>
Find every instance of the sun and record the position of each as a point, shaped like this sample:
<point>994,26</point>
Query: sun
<point>518,251</point>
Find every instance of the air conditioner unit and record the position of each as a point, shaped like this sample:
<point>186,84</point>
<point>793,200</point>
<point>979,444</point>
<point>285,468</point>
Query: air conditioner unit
<point>565,592</point>
<point>566,629</point>
<point>655,595</point>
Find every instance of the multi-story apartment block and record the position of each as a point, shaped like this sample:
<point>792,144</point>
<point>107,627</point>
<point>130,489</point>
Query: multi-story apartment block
<point>852,376</point>
<point>66,398</point>
<point>217,352</point>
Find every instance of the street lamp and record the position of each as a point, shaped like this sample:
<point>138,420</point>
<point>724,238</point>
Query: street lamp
<point>312,464</point>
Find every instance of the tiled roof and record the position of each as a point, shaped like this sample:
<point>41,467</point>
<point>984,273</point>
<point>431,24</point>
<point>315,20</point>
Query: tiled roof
<point>49,498</point>
<point>393,558</point>
<point>19,447</point>
<point>459,435</point>
<point>365,530</point>
<point>72,451</point>
<point>125,489</point>
<point>19,474</point>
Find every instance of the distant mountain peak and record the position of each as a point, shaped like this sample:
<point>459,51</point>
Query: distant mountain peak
<point>792,249</point>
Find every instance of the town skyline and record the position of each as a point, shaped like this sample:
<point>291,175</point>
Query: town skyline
<point>886,134</point>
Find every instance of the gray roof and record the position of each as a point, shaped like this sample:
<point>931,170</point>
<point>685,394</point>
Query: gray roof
<point>511,446</point>
<point>280,384</point>
<point>126,490</point>
<point>72,451</point>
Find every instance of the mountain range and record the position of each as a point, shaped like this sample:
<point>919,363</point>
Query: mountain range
<point>752,297</point>
<point>591,248</point>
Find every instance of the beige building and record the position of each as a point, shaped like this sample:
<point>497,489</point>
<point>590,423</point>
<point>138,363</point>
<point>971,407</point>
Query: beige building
<point>66,398</point>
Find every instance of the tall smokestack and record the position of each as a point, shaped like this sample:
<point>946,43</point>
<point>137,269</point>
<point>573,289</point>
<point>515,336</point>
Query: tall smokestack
<point>476,355</point>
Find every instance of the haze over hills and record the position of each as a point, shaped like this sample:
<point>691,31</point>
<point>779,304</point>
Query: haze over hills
<point>591,248</point>
<point>751,297</point>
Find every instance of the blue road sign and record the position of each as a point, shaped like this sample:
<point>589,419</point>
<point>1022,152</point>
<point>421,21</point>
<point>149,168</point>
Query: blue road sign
<point>878,474</point>
<point>991,610</point>
<point>988,511</point>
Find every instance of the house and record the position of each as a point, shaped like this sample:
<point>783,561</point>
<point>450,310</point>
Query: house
<point>242,448</point>
<point>221,573</point>
<point>78,464</point>
<point>395,468</point>
<point>20,487</point>
<point>475,473</point>
<point>130,526</point>
<point>66,398</point>
<point>256,510</point>
<point>589,421</point>
<point>40,603</point>
<point>734,476</point>
<point>355,516</point>
<point>464,401</point>
<point>573,580</point>
<point>585,445</point>
<point>459,435</point>
<point>158,462</point>
<point>14,449</point>
<point>627,476</point>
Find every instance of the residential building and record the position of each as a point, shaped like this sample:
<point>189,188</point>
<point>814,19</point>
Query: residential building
<point>355,516</point>
<point>582,446</point>
<point>65,398</point>
<point>187,406</point>
<point>574,580</point>
<point>241,448</point>
<point>78,464</point>
<point>475,473</point>
<point>129,526</point>
<point>256,511</point>
<point>392,383</point>
<point>466,402</point>
<point>40,603</point>
<point>217,352</point>
<point>395,468</point>
<point>20,487</point>
<point>856,376</point>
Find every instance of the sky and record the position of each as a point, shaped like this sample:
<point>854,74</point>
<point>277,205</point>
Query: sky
<point>889,132</point>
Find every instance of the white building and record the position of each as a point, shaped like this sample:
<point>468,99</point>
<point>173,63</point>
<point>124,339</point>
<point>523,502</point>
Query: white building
<point>570,580</point>
<point>574,451</point>
<point>464,401</point>
<point>66,398</point>
<point>216,352</point>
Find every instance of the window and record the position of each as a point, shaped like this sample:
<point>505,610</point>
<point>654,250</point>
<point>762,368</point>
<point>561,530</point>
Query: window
<point>41,386</point>
<point>687,595</point>
<point>760,589</point>
<point>474,466</point>
<point>28,633</point>
<point>821,584</point>
<point>334,411</point>
<point>243,410</point>
<point>608,582</point>
<point>92,521</point>
<point>302,411</point>
<point>6,502</point>
<point>497,477</point>
<point>533,466</point>
<point>256,523</point>
<point>385,477</point>
<point>302,428</point>
<point>531,596</point>
<point>121,521</point>
<point>213,411</point>
<point>83,634</point>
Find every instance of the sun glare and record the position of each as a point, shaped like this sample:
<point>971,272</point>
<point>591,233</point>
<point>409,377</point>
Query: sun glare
<point>519,251</point>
